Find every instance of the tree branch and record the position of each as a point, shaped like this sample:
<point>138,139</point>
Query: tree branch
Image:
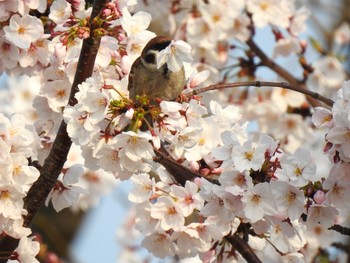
<point>243,248</point>
<point>266,61</point>
<point>51,169</point>
<point>259,84</point>
<point>340,229</point>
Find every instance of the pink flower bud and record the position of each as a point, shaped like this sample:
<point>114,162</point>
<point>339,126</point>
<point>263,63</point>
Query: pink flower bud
<point>319,197</point>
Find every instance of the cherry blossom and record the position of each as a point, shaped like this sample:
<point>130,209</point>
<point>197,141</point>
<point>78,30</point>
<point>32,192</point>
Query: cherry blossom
<point>60,11</point>
<point>289,199</point>
<point>168,212</point>
<point>67,190</point>
<point>258,201</point>
<point>160,244</point>
<point>22,31</point>
<point>297,169</point>
<point>321,215</point>
<point>254,149</point>
<point>187,198</point>
<point>27,250</point>
<point>177,53</point>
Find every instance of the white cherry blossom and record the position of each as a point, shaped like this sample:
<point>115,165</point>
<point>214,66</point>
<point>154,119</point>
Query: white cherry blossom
<point>22,31</point>
<point>168,212</point>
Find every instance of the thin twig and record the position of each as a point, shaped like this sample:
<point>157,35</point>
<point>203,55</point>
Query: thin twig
<point>259,84</point>
<point>266,61</point>
<point>340,229</point>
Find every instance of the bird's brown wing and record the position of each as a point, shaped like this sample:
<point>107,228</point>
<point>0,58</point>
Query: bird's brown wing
<point>132,72</point>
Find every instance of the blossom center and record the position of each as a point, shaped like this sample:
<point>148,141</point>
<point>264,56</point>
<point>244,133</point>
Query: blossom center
<point>298,171</point>
<point>61,93</point>
<point>189,199</point>
<point>249,156</point>
<point>172,211</point>
<point>21,30</point>
<point>5,194</point>
<point>291,197</point>
<point>256,199</point>
<point>264,6</point>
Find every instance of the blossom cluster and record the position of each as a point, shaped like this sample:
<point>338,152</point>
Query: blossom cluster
<point>258,181</point>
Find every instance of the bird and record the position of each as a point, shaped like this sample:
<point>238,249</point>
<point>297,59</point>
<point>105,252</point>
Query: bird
<point>156,83</point>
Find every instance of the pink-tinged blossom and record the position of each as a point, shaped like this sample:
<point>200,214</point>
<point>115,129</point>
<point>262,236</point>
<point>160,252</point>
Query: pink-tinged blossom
<point>57,92</point>
<point>11,201</point>
<point>17,134</point>
<point>107,47</point>
<point>195,111</point>
<point>93,99</point>
<point>342,34</point>
<point>109,160</point>
<point>144,222</point>
<point>188,242</point>
<point>258,201</point>
<point>321,215</point>
<point>144,187</point>
<point>175,55</point>
<point>168,212</point>
<point>197,78</point>
<point>215,205</point>
<point>248,156</point>
<point>23,175</point>
<point>298,169</point>
<point>24,7</point>
<point>14,227</point>
<point>27,250</point>
<point>22,31</point>
<point>160,245</point>
<point>322,117</point>
<point>338,186</point>
<point>7,8</point>
<point>187,197</point>
<point>97,184</point>
<point>218,17</point>
<point>235,182</point>
<point>286,47</point>
<point>340,135</point>
<point>284,236</point>
<point>298,21</point>
<point>60,11</point>
<point>184,140</point>
<point>37,54</point>
<point>240,27</point>
<point>228,118</point>
<point>136,24</point>
<point>67,189</point>
<point>224,152</point>
<point>283,99</point>
<point>9,53</point>
<point>79,127</point>
<point>134,148</point>
<point>231,202</point>
<point>328,75</point>
<point>205,140</point>
<point>289,199</point>
<point>276,12</point>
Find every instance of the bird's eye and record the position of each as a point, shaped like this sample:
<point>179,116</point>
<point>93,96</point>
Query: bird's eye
<point>150,58</point>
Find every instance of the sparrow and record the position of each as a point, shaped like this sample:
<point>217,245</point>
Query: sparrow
<point>146,79</point>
